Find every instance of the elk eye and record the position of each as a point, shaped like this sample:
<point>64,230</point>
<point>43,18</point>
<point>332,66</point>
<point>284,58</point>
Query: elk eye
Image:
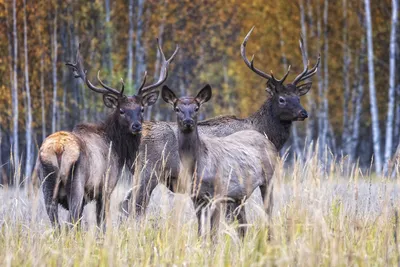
<point>121,111</point>
<point>142,110</point>
<point>282,100</point>
<point>177,109</point>
<point>196,109</point>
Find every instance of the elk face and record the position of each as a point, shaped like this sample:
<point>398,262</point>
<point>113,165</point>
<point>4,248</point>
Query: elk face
<point>186,108</point>
<point>129,109</point>
<point>285,98</point>
<point>286,101</point>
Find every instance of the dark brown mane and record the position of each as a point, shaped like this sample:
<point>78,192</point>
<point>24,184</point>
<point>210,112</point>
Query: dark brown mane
<point>125,144</point>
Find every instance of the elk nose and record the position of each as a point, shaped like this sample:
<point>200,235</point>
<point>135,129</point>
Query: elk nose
<point>303,114</point>
<point>136,127</point>
<point>188,122</point>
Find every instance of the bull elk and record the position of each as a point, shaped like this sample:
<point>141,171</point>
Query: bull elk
<point>274,119</point>
<point>84,165</point>
<point>229,167</point>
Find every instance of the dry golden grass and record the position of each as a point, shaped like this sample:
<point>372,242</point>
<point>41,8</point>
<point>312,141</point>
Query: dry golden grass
<point>320,218</point>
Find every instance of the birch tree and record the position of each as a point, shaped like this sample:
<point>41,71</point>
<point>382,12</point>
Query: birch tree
<point>28,130</point>
<point>346,81</point>
<point>392,85</point>
<point>357,101</point>
<point>372,92</point>
<point>14,92</point>
<point>130,44</point>
<point>140,50</point>
<point>54,52</point>
<point>310,99</point>
<point>108,58</point>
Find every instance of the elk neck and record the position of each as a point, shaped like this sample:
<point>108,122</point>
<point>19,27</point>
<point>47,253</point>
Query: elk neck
<point>265,120</point>
<point>124,144</point>
<point>190,146</point>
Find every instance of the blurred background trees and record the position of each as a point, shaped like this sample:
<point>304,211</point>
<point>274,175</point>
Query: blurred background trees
<point>354,104</point>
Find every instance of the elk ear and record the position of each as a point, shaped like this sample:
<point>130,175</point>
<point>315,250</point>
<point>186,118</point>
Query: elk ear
<point>150,98</point>
<point>110,101</point>
<point>304,88</point>
<point>204,95</point>
<point>168,96</point>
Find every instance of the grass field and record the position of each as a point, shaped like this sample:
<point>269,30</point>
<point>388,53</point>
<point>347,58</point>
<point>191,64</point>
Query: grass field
<point>327,219</point>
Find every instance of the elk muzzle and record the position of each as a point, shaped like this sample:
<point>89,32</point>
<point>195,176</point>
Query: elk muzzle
<point>136,127</point>
<point>302,115</point>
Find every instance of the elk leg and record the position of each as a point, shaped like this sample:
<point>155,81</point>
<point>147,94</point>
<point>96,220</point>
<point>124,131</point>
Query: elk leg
<point>267,196</point>
<point>199,207</point>
<point>51,205</point>
<point>100,212</point>
<point>124,206</point>
<point>75,198</point>
<point>50,196</point>
<point>241,217</point>
<point>143,194</point>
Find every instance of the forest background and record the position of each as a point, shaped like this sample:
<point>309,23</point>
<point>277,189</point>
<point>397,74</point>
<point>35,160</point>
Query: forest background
<point>354,103</point>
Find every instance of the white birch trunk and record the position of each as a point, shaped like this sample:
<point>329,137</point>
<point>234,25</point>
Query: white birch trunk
<point>14,93</point>
<point>139,52</point>
<point>54,51</point>
<point>42,102</point>
<point>130,45</point>
<point>372,92</point>
<point>29,154</point>
<point>392,85</point>
<point>108,37</point>
<point>310,99</point>
<point>346,82</point>
<point>357,102</point>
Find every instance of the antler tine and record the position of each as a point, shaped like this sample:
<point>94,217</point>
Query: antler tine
<point>164,69</point>
<point>139,91</point>
<point>80,72</point>
<point>122,86</point>
<point>305,62</point>
<point>312,71</point>
<point>250,64</point>
<point>284,77</point>
<point>108,88</point>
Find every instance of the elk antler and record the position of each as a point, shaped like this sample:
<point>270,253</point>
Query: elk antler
<point>163,71</point>
<point>80,72</point>
<point>250,63</point>
<point>306,72</point>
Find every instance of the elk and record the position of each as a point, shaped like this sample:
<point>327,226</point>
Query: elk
<point>84,165</point>
<point>274,119</point>
<point>228,167</point>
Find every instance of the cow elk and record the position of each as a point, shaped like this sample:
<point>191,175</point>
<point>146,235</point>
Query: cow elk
<point>274,119</point>
<point>229,167</point>
<point>84,165</point>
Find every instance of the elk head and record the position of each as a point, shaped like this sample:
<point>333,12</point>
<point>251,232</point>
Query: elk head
<point>186,108</point>
<point>128,109</point>
<point>285,98</point>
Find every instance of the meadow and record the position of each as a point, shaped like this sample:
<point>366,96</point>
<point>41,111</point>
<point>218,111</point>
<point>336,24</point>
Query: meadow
<point>328,217</point>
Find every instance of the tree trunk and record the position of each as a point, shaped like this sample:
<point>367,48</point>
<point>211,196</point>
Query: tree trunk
<point>392,85</point>
<point>158,61</point>
<point>42,97</point>
<point>346,82</point>
<point>14,93</point>
<point>310,99</point>
<point>54,50</point>
<point>357,102</point>
<point>140,50</point>
<point>372,92</point>
<point>130,45</point>
<point>29,154</point>
<point>108,58</point>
